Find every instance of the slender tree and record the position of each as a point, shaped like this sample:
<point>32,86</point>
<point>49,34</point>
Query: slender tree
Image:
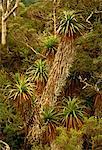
<point>54,16</point>
<point>7,8</point>
<point>55,6</point>
<point>68,28</point>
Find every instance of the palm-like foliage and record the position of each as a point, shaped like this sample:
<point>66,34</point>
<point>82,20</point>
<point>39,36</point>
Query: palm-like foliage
<point>22,87</point>
<point>69,25</point>
<point>50,44</point>
<point>73,113</point>
<point>50,119</point>
<point>38,72</point>
<point>21,91</point>
<point>64,57</point>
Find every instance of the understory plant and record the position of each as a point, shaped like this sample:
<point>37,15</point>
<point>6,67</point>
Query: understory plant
<point>38,73</point>
<point>50,122</point>
<point>73,113</point>
<point>67,140</point>
<point>21,93</point>
<point>50,45</point>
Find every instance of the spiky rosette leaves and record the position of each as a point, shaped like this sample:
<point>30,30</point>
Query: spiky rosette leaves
<point>38,72</point>
<point>69,25</point>
<point>21,92</point>
<point>73,113</point>
<point>50,44</point>
<point>50,121</point>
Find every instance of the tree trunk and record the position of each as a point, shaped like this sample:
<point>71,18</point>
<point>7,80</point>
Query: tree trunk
<point>59,72</point>
<point>98,105</point>
<point>54,16</point>
<point>4,32</point>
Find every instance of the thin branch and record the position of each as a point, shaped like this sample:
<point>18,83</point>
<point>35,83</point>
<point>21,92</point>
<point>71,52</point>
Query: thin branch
<point>11,11</point>
<point>87,20</point>
<point>1,6</point>
<point>8,5</point>
<point>34,50</point>
<point>88,85</point>
<point>9,2</point>
<point>58,3</point>
<point>29,46</point>
<point>98,12</point>
<point>95,12</point>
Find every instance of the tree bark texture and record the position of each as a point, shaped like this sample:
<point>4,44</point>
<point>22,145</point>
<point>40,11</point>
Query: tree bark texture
<point>59,72</point>
<point>7,10</point>
<point>4,32</point>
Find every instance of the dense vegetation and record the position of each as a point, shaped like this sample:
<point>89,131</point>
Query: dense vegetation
<point>51,75</point>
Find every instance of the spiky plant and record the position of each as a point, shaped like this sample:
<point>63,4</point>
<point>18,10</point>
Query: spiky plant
<point>69,25</point>
<point>64,57</point>
<point>50,121</point>
<point>21,92</point>
<point>73,113</point>
<point>38,72</point>
<point>50,44</point>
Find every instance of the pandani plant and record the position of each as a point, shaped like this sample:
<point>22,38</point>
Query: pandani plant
<point>50,48</point>
<point>39,74</point>
<point>73,113</point>
<point>21,92</point>
<point>50,122</point>
<point>68,29</point>
<point>50,44</point>
<point>69,25</point>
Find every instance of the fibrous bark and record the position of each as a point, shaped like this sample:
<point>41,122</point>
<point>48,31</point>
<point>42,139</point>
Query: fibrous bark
<point>59,71</point>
